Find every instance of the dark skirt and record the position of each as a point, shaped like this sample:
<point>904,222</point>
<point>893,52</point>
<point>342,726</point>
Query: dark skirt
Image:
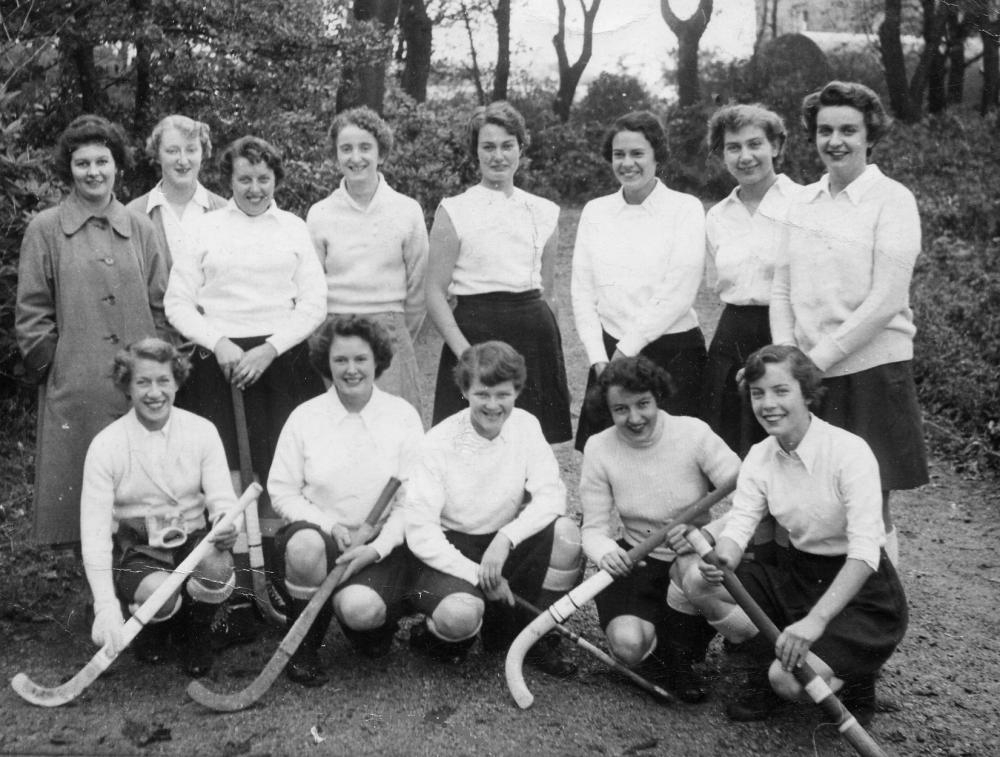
<point>681,355</point>
<point>880,406</point>
<point>856,642</point>
<point>524,321</point>
<point>742,330</point>
<point>642,593</point>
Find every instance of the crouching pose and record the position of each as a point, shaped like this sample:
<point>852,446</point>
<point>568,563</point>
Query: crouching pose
<point>839,598</point>
<point>485,515</point>
<point>646,467</point>
<point>334,456</point>
<point>150,479</point>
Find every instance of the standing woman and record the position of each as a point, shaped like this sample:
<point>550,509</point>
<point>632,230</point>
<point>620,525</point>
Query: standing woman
<point>90,280</point>
<point>178,144</point>
<point>248,295</point>
<point>843,292</point>
<point>637,265</point>
<point>493,248</point>
<point>372,243</point>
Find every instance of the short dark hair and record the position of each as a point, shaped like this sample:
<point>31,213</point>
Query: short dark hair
<point>499,113</point>
<point>492,363</point>
<point>853,94</point>
<point>802,368</point>
<point>190,128</point>
<point>149,348</point>
<point>644,122</point>
<point>370,331</point>
<point>255,150</point>
<point>89,129</point>
<point>364,118</point>
<point>633,374</point>
<point>736,117</point>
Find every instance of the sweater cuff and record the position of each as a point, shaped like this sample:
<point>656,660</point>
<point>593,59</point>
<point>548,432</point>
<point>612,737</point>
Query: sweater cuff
<point>630,345</point>
<point>826,354</point>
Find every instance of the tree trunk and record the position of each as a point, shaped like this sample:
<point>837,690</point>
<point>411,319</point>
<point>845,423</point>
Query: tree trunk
<point>141,112</point>
<point>501,77</point>
<point>364,83</point>
<point>688,33</point>
<point>989,31</point>
<point>894,64</point>
<point>569,76</point>
<point>477,78</point>
<point>958,31</point>
<point>416,32</point>
<point>938,60</point>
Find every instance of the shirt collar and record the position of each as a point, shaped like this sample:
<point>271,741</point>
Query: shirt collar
<point>652,202</point>
<point>381,190</point>
<point>272,209</point>
<point>855,191</point>
<point>809,450</point>
<point>469,435</point>
<point>368,413</point>
<point>144,433</point>
<point>158,198</point>
<point>73,214</point>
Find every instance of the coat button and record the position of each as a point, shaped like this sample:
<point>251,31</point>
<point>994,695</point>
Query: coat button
<point>109,260</point>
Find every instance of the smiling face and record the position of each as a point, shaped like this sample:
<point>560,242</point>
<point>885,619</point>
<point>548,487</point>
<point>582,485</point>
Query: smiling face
<point>358,155</point>
<point>635,414</point>
<point>179,158</point>
<point>253,186</point>
<point>93,169</point>
<point>842,142</point>
<point>779,406</point>
<point>749,155</point>
<point>352,367</point>
<point>151,391</point>
<point>633,163</point>
<point>499,156</point>
<point>490,406</point>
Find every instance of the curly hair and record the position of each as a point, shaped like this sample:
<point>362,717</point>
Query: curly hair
<point>89,130</point>
<point>802,368</point>
<point>491,363</point>
<point>149,348</point>
<point>732,118</point>
<point>644,122</point>
<point>854,95</point>
<point>636,374</point>
<point>367,119</point>
<point>189,129</point>
<point>255,150</point>
<point>499,113</point>
<point>370,331</point>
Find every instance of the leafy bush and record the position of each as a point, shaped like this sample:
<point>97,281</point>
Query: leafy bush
<point>611,95</point>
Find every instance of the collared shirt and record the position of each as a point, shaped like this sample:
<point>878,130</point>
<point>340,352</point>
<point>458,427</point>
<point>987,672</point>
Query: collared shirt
<point>177,229</point>
<point>330,464</point>
<point>637,269</point>
<point>743,246</point>
<point>501,239</point>
<point>842,288</point>
<point>247,276</point>
<point>827,493</point>
<point>467,483</point>
<point>375,257</point>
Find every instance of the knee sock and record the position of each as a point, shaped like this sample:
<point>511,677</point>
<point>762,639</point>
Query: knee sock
<point>892,546</point>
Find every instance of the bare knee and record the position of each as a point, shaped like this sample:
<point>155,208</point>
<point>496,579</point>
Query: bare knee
<point>713,600</point>
<point>360,608</point>
<point>305,558</point>
<point>147,586</point>
<point>215,567</point>
<point>631,639</point>
<point>566,543</point>
<point>457,617</point>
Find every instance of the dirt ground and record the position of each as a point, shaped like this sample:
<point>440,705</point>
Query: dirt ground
<point>940,692</point>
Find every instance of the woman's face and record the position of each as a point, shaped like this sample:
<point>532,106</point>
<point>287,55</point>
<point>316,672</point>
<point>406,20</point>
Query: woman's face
<point>357,154</point>
<point>253,186</point>
<point>352,367</point>
<point>842,141</point>
<point>499,155</point>
<point>749,155</point>
<point>151,391</point>
<point>180,158</point>
<point>635,414</point>
<point>490,406</point>
<point>93,169</point>
<point>632,162</point>
<point>778,404</point>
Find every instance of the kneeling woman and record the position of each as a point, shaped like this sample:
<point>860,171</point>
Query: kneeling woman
<point>485,513</point>
<point>646,467</point>
<point>839,598</point>
<point>334,456</point>
<point>149,480</point>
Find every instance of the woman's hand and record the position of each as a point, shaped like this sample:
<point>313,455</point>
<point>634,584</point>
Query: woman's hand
<point>357,558</point>
<point>677,541</point>
<point>253,364</point>
<point>491,566</point>
<point>107,628</point>
<point>228,356</point>
<point>795,641</point>
<point>225,539</point>
<point>341,536</point>
<point>619,355</point>
<point>501,593</point>
<point>599,368</point>
<point>616,562</point>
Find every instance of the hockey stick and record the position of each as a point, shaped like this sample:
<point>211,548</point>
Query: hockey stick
<point>242,699</point>
<point>58,695</point>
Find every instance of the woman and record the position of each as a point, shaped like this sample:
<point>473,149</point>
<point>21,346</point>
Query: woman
<point>334,456</point>
<point>843,292</point>
<point>644,468</point>
<point>91,278</point>
<point>248,295</point>
<point>838,598</point>
<point>153,480</point>
<point>177,144</point>
<point>372,242</point>
<point>637,265</point>
<point>493,248</point>
<point>485,516</point>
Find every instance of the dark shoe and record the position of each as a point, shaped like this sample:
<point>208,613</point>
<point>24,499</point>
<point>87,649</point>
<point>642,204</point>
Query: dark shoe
<point>194,637</point>
<point>426,643</point>
<point>150,646</point>
<point>858,696</point>
<point>233,624</point>
<point>374,644</point>
<point>668,670</point>
<point>545,656</point>
<point>682,641</point>
<point>755,705</point>
<point>304,668</point>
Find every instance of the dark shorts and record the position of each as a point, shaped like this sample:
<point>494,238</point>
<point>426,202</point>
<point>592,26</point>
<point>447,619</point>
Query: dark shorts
<point>133,559</point>
<point>642,593</point>
<point>880,406</point>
